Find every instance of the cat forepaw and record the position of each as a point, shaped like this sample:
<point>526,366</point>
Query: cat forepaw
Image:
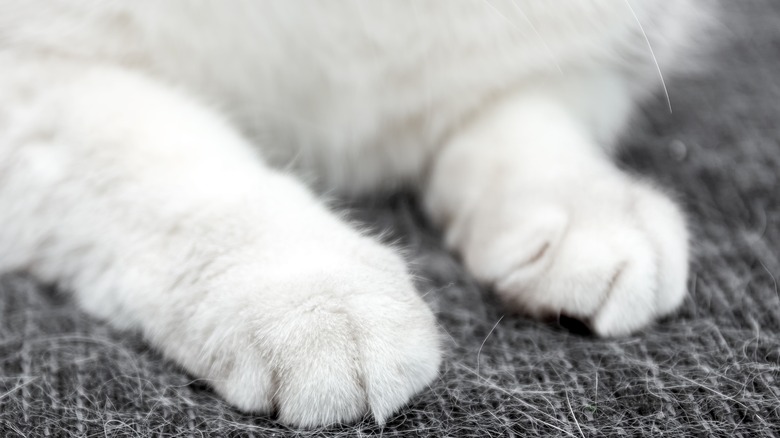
<point>613,255</point>
<point>326,345</point>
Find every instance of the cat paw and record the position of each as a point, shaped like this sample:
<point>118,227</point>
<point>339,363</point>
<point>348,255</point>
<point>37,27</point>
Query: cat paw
<point>611,254</point>
<point>320,344</point>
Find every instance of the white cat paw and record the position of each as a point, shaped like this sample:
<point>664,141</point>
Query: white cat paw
<point>321,343</point>
<point>612,254</point>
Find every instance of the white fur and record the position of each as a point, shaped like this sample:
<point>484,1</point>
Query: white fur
<point>134,138</point>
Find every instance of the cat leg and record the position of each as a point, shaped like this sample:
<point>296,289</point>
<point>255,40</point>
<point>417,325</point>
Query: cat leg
<point>532,202</point>
<point>160,218</point>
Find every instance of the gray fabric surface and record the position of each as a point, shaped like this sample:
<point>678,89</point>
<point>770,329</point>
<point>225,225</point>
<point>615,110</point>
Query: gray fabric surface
<point>712,369</point>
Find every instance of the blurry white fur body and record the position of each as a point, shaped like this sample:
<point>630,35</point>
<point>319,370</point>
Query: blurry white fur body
<point>141,142</point>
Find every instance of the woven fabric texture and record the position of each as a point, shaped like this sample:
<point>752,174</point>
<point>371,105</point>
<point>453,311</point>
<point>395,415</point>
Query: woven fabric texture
<point>713,369</point>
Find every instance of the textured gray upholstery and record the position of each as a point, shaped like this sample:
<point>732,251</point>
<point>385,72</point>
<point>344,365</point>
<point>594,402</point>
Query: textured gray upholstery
<point>712,369</point>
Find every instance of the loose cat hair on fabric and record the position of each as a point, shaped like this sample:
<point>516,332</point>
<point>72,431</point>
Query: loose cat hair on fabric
<point>161,162</point>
